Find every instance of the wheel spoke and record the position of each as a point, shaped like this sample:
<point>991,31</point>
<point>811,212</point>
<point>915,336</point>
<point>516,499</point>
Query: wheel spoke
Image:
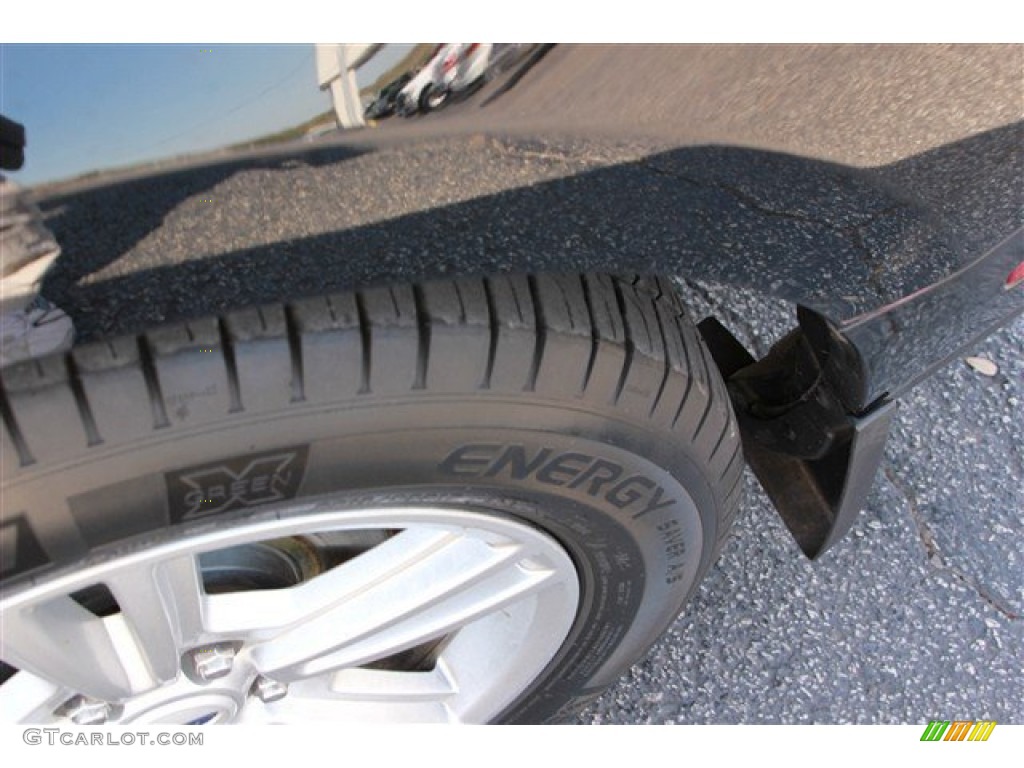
<point>29,699</point>
<point>162,605</point>
<point>317,710</point>
<point>366,695</point>
<point>127,653</point>
<point>255,612</point>
<point>391,686</point>
<point>38,639</point>
<point>424,595</point>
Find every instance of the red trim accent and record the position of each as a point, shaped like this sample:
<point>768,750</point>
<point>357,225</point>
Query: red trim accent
<point>1016,276</point>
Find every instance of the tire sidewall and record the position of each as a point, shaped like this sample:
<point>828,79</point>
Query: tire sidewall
<point>501,455</point>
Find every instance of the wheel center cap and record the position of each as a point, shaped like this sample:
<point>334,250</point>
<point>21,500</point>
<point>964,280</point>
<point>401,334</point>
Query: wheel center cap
<point>196,709</point>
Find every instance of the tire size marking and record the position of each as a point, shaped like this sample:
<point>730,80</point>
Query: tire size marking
<point>597,477</point>
<point>674,539</point>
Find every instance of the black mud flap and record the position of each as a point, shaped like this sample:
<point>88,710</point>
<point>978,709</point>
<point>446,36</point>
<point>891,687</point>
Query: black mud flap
<point>816,462</point>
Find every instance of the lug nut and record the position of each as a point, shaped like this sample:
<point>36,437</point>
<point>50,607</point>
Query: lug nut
<point>85,711</point>
<point>213,661</point>
<point>267,690</point>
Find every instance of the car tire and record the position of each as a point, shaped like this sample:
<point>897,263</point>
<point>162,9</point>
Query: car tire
<point>484,499</point>
<point>432,98</point>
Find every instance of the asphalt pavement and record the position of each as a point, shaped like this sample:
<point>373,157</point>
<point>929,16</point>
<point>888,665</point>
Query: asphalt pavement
<point>916,615</point>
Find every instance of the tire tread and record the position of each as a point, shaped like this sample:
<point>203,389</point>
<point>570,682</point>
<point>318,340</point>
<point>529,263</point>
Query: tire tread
<point>622,341</point>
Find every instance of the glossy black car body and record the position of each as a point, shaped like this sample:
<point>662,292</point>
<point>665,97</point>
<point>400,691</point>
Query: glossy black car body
<point>879,189</point>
